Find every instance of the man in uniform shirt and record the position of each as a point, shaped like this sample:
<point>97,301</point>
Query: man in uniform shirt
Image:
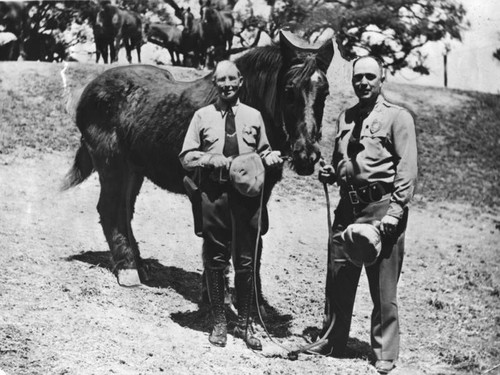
<point>375,165</point>
<point>230,220</point>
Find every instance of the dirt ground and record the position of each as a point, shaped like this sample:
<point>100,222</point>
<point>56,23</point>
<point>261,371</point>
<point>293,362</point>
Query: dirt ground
<point>62,311</point>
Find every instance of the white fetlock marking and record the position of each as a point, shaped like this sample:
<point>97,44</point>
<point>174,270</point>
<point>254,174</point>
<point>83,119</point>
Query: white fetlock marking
<point>129,278</point>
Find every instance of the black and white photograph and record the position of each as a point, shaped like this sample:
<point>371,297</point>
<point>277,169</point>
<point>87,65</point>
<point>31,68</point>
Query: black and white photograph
<point>254,187</point>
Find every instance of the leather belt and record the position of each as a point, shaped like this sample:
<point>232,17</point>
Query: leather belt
<point>373,192</point>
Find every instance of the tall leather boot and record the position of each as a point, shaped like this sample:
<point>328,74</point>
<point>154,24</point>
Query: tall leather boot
<point>215,283</point>
<point>244,292</point>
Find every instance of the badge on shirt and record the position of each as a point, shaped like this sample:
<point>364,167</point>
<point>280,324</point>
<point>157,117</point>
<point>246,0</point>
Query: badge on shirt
<point>375,127</point>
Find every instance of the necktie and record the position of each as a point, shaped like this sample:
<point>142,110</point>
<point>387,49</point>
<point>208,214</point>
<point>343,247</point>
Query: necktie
<point>354,146</point>
<point>231,142</point>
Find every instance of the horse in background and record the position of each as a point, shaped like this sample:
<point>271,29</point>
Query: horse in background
<point>133,120</point>
<point>192,39</point>
<point>114,26</point>
<point>222,5</point>
<point>166,36</point>
<point>218,32</point>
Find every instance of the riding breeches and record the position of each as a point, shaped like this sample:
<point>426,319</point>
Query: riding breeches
<point>343,277</point>
<point>230,227</point>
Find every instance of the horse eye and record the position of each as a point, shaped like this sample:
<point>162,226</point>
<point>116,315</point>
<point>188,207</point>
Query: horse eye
<point>289,93</point>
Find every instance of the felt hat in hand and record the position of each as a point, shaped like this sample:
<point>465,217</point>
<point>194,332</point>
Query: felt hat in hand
<point>247,174</point>
<point>362,244</point>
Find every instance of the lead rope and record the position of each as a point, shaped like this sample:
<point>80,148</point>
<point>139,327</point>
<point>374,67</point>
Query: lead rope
<point>292,354</point>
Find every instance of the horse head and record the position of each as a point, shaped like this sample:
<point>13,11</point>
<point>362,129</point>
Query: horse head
<point>187,18</point>
<point>302,90</point>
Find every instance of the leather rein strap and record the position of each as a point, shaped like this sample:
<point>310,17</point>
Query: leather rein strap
<point>292,354</point>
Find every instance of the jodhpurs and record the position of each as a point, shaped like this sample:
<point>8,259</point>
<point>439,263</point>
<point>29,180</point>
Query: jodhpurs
<point>230,224</point>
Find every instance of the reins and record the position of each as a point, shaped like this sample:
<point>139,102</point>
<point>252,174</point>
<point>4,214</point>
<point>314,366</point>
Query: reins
<point>292,354</point>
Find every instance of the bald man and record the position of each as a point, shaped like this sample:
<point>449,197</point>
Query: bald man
<point>230,220</point>
<point>375,165</point>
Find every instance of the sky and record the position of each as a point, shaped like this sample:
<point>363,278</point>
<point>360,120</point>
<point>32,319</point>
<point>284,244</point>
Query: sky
<point>471,65</point>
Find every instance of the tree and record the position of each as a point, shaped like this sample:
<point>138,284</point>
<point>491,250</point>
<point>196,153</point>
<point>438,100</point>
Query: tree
<point>39,26</point>
<point>393,30</point>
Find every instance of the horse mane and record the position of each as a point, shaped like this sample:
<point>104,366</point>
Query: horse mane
<point>260,68</point>
<point>299,74</point>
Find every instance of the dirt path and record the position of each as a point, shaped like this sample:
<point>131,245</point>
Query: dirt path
<point>63,312</point>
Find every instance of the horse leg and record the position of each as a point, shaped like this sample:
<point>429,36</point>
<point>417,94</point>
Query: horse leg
<point>133,185</point>
<point>172,56</point>
<point>128,49</point>
<point>97,53</point>
<point>137,42</point>
<point>229,46</point>
<point>105,53</point>
<point>116,48</point>
<point>138,49</point>
<point>112,208</point>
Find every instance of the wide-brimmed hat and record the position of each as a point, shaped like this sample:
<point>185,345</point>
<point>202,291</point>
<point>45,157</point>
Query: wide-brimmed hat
<point>247,174</point>
<point>362,244</point>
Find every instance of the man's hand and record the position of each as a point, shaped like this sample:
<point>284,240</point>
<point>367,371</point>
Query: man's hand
<point>215,161</point>
<point>326,173</point>
<point>273,158</point>
<point>388,225</point>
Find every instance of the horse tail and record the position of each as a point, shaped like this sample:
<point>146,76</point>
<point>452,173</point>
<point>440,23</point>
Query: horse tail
<point>82,168</point>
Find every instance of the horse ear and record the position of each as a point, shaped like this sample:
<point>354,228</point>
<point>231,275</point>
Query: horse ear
<point>325,55</point>
<point>288,50</point>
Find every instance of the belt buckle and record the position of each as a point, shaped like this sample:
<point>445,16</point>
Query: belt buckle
<point>353,196</point>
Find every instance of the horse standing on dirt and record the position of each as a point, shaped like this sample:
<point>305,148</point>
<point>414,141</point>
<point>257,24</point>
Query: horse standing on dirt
<point>217,33</point>
<point>166,36</point>
<point>133,121</point>
<point>114,26</point>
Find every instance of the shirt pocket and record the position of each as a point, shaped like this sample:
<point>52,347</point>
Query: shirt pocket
<point>249,135</point>
<point>376,143</point>
<point>209,139</point>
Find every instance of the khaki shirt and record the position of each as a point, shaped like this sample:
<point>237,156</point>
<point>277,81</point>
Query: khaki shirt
<point>387,151</point>
<point>207,133</point>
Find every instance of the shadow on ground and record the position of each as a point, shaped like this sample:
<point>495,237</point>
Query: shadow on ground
<point>188,285</point>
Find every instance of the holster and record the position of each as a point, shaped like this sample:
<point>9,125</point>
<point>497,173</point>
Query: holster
<point>194,193</point>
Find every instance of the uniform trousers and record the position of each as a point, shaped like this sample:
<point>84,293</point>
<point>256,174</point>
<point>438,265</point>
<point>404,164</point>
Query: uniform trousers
<point>230,225</point>
<point>343,278</point>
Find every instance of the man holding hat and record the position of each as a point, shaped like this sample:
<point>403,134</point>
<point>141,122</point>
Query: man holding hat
<point>230,194</point>
<point>375,165</point>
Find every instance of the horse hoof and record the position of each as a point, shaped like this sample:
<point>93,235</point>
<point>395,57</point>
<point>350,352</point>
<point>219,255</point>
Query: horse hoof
<point>129,278</point>
<point>145,273</point>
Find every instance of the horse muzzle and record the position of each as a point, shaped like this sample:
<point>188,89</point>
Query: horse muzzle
<point>305,158</point>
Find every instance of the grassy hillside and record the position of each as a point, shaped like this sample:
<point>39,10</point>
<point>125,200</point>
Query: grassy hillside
<point>458,131</point>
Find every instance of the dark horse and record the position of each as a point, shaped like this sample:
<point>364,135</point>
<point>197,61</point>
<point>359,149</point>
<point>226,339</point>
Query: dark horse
<point>192,37</point>
<point>114,26</point>
<point>166,36</point>
<point>133,120</point>
<point>217,33</point>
